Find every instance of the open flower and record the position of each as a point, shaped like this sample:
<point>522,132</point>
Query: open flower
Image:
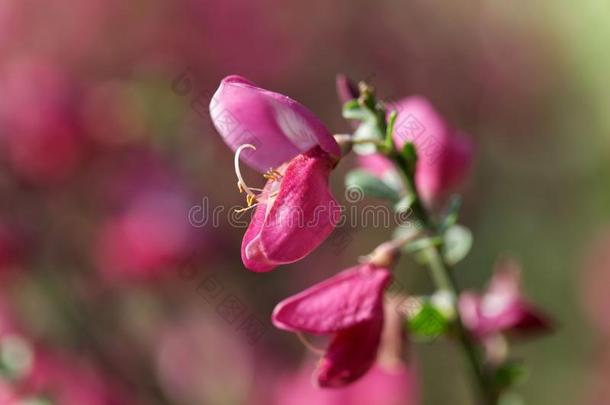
<point>502,308</point>
<point>282,139</point>
<point>349,307</point>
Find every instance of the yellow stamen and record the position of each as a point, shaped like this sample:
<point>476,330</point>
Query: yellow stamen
<point>252,199</point>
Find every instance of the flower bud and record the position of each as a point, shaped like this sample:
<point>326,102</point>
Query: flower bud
<point>385,255</point>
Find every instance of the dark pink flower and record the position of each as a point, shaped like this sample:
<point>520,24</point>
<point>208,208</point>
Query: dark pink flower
<point>502,308</point>
<point>295,211</point>
<point>349,307</point>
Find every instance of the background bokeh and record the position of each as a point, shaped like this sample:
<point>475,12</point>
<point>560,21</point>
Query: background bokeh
<point>106,144</point>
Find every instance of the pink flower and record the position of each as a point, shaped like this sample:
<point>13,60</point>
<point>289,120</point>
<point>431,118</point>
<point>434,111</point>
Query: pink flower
<point>444,154</point>
<point>349,307</point>
<point>41,134</point>
<point>295,211</point>
<point>149,237</point>
<point>502,308</point>
<point>73,381</point>
<point>380,386</point>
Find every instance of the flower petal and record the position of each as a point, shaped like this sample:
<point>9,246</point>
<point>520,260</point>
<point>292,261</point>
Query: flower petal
<point>351,353</point>
<point>278,126</point>
<point>502,308</point>
<point>444,154</point>
<point>297,219</point>
<point>350,298</point>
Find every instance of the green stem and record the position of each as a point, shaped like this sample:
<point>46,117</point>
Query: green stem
<point>440,271</point>
<point>444,280</point>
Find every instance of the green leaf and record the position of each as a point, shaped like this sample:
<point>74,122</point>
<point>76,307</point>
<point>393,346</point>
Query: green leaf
<point>422,244</point>
<point>425,321</point>
<point>352,110</point>
<point>404,204</point>
<point>457,242</point>
<point>371,185</point>
<point>509,374</point>
<point>389,140</point>
<point>452,213</point>
<point>409,152</point>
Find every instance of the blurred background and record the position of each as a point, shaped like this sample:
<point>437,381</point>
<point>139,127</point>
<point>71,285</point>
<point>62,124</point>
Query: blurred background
<point>110,295</point>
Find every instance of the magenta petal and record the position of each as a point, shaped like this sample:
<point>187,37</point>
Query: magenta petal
<point>278,126</point>
<point>351,353</point>
<point>255,258</point>
<point>346,89</point>
<point>502,308</point>
<point>376,164</point>
<point>297,220</point>
<point>350,298</point>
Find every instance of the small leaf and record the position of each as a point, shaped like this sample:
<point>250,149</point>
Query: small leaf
<point>409,152</point>
<point>371,185</point>
<point>352,110</point>
<point>509,374</point>
<point>452,213</point>
<point>404,204</point>
<point>457,242</point>
<point>422,244</point>
<point>425,321</point>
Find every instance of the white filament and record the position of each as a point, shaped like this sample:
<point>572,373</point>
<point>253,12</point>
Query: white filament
<point>240,179</point>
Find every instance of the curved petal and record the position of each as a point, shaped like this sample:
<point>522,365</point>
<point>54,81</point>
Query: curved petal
<point>278,126</point>
<point>352,297</point>
<point>351,353</point>
<point>297,219</point>
<point>252,254</point>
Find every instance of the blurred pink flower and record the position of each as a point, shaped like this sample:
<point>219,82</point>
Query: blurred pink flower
<point>348,306</point>
<point>38,371</point>
<point>71,381</point>
<point>444,154</point>
<point>502,308</point>
<point>148,238</point>
<point>40,132</point>
<point>295,211</point>
<point>202,359</point>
